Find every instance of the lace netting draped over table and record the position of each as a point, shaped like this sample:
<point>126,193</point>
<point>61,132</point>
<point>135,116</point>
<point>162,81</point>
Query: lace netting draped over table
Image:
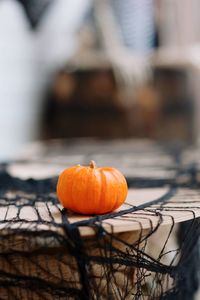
<point>147,249</point>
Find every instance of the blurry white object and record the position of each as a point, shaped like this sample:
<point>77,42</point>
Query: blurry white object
<point>58,32</point>
<point>130,61</point>
<point>27,58</point>
<point>136,21</point>
<point>18,101</point>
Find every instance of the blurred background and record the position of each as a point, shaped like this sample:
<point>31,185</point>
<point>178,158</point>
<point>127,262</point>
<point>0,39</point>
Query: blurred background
<point>98,68</point>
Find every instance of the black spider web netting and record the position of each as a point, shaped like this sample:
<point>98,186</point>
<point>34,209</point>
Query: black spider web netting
<point>47,252</point>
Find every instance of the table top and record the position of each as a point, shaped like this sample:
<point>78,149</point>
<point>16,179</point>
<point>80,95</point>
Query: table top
<point>163,184</point>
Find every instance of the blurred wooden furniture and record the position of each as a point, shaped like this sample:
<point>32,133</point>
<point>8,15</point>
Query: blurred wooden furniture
<point>85,100</point>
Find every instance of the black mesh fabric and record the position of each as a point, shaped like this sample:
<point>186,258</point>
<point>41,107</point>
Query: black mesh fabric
<point>43,255</point>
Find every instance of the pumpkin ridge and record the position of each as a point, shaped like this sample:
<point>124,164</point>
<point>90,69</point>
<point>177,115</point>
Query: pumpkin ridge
<point>60,184</point>
<point>89,173</point>
<point>117,193</point>
<point>95,181</point>
<point>76,171</point>
<point>103,185</point>
<point>114,184</point>
<point>123,182</point>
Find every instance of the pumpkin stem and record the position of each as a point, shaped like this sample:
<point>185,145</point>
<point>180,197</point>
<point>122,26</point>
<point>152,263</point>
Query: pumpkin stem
<point>92,164</point>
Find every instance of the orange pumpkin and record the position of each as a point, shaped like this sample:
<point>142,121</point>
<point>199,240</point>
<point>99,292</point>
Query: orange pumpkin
<point>91,190</point>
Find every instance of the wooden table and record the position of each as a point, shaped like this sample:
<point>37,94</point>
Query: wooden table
<point>126,254</point>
